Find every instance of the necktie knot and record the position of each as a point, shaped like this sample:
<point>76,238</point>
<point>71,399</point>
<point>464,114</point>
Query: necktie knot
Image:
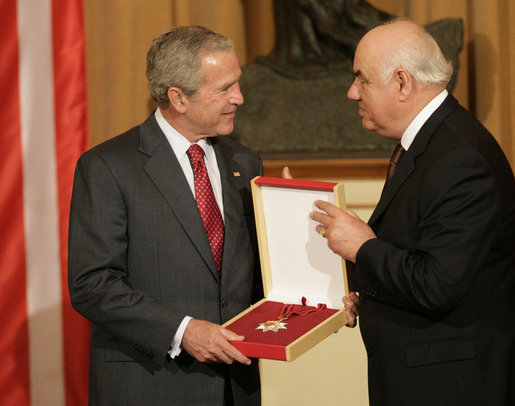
<point>195,154</point>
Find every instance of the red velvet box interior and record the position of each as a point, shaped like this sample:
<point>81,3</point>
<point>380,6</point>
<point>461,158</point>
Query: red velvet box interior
<point>270,344</point>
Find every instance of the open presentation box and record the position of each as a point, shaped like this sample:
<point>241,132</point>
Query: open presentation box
<point>297,266</point>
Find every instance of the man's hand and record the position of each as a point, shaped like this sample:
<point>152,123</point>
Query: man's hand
<point>209,342</point>
<point>344,230</point>
<point>351,303</point>
<point>286,173</point>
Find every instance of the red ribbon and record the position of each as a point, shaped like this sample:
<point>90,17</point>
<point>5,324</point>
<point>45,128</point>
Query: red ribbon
<point>288,310</point>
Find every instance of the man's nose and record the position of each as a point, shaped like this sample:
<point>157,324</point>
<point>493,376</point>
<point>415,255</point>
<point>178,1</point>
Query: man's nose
<point>236,97</point>
<point>353,92</point>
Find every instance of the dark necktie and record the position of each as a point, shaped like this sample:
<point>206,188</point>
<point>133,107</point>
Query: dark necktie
<point>394,160</point>
<point>207,206</point>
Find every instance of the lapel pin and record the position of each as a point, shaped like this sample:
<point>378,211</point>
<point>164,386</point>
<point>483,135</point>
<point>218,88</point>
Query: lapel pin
<point>237,174</point>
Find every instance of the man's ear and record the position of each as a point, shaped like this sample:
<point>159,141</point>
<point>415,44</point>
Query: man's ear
<point>177,99</point>
<point>404,83</point>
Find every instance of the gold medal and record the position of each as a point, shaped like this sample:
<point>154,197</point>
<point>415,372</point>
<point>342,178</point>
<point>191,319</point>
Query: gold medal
<point>272,325</point>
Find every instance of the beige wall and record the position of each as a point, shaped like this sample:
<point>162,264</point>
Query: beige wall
<point>119,33</point>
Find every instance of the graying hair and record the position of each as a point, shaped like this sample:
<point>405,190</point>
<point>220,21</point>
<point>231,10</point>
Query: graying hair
<point>174,60</point>
<point>421,57</point>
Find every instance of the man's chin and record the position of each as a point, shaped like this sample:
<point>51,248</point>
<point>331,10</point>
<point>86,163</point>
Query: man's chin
<point>226,130</point>
<point>368,125</point>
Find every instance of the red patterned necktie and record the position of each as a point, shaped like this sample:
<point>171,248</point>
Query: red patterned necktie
<point>394,160</point>
<point>207,206</point>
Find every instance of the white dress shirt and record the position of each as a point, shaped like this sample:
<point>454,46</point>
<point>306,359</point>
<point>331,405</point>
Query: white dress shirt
<point>419,120</point>
<point>179,146</point>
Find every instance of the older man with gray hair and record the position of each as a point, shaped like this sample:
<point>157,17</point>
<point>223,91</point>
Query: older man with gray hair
<point>435,266</point>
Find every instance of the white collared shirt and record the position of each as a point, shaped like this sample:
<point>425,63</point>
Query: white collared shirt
<point>419,120</point>
<point>179,146</point>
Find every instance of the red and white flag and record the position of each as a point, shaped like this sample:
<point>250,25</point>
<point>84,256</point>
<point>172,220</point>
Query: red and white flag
<point>43,130</point>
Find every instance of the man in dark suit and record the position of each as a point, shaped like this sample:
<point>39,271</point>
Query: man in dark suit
<point>435,266</point>
<point>156,275</point>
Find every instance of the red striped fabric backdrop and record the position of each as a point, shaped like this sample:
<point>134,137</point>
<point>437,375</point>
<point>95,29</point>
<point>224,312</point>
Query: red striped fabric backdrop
<point>43,122</point>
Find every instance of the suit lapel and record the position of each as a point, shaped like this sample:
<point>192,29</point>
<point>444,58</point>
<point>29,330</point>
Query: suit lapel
<point>164,170</point>
<point>402,172</point>
<point>407,164</point>
<point>232,205</point>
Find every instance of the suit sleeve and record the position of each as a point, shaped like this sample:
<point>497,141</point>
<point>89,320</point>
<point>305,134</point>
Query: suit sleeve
<point>449,238</point>
<point>97,267</point>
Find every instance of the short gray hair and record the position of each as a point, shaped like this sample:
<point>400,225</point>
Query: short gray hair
<point>421,56</point>
<point>174,60</point>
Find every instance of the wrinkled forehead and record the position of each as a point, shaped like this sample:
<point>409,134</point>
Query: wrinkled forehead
<point>375,39</point>
<point>378,42</point>
<point>388,37</point>
<point>368,53</point>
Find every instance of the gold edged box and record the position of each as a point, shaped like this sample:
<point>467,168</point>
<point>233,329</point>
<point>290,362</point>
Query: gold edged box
<point>297,268</point>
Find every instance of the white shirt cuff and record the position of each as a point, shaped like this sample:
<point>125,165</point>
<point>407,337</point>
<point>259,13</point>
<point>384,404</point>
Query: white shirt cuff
<point>176,348</point>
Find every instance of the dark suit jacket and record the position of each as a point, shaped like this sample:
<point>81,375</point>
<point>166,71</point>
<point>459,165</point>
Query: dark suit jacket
<point>140,260</point>
<point>438,284</point>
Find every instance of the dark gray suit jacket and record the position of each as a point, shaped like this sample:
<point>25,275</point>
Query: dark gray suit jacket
<point>438,317</point>
<point>140,260</point>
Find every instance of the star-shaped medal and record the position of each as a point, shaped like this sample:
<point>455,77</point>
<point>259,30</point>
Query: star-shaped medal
<point>271,325</point>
